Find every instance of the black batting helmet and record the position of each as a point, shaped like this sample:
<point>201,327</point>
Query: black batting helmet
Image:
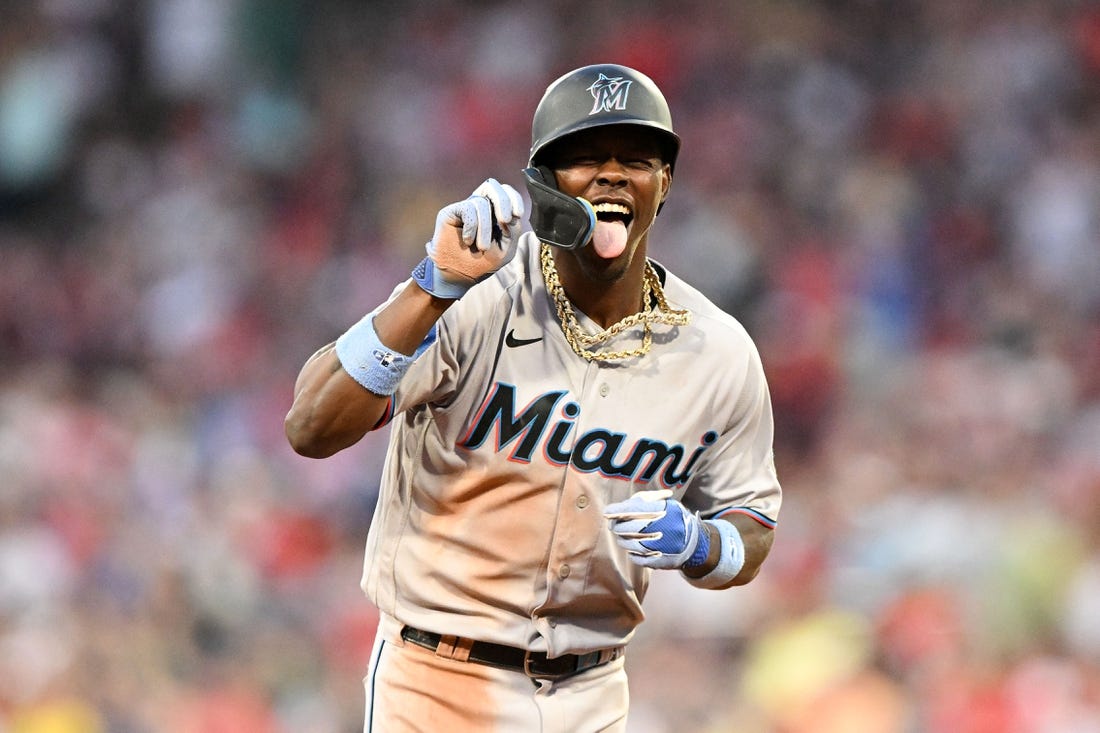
<point>602,94</point>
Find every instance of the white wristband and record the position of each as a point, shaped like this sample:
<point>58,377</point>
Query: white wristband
<point>730,561</point>
<point>369,362</point>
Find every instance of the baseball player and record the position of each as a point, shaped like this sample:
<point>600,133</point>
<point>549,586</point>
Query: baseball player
<point>567,416</point>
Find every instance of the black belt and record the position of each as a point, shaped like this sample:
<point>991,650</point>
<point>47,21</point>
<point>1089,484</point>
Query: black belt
<point>533,664</point>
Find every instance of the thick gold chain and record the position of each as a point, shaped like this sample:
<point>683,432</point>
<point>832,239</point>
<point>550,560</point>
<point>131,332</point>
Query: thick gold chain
<point>579,339</point>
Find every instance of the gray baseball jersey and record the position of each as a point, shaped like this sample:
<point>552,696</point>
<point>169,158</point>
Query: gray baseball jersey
<point>506,446</point>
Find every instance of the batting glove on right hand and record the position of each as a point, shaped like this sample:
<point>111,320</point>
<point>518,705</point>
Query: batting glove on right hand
<point>473,239</point>
<point>658,531</point>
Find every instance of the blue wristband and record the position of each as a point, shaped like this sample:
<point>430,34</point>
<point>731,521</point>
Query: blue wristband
<point>731,560</point>
<point>428,277</point>
<point>369,362</point>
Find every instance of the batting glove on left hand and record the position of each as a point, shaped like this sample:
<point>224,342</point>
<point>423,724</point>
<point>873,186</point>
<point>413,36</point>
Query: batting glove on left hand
<point>658,531</point>
<point>473,239</point>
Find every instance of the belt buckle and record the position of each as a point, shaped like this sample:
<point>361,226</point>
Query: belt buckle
<point>529,670</point>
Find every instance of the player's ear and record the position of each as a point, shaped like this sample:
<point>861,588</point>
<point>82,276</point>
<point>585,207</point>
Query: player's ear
<point>665,184</point>
<point>666,181</point>
<point>547,176</point>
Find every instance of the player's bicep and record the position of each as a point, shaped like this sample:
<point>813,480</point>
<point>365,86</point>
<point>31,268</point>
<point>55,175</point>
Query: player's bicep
<point>330,411</point>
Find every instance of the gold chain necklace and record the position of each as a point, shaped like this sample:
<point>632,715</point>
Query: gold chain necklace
<point>579,339</point>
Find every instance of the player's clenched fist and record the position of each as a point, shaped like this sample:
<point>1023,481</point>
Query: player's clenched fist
<point>658,531</point>
<point>473,239</point>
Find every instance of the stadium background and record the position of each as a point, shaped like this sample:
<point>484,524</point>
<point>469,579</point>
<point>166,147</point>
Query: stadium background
<point>899,199</point>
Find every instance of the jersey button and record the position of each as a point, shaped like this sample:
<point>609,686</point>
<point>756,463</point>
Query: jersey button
<point>563,572</point>
<point>605,389</point>
<point>582,501</point>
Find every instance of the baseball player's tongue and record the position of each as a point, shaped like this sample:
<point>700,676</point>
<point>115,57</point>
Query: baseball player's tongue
<point>609,239</point>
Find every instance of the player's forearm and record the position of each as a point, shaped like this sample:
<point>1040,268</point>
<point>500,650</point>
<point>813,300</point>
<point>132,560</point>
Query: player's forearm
<point>757,540</point>
<point>758,543</point>
<point>405,323</point>
<point>331,410</point>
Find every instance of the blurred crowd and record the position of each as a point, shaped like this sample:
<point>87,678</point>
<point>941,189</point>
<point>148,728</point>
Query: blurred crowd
<point>900,199</point>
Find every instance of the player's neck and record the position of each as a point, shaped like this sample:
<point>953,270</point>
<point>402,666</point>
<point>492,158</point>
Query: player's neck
<point>605,297</point>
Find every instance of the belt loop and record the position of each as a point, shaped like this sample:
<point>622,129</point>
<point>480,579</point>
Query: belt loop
<point>446,646</point>
<point>454,647</point>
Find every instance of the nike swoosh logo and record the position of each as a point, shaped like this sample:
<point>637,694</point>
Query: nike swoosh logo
<point>511,341</point>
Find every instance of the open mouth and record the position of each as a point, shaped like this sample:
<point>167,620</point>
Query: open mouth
<point>613,212</point>
<point>609,240</point>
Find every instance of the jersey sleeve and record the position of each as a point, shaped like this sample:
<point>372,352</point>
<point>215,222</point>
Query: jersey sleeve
<point>738,473</point>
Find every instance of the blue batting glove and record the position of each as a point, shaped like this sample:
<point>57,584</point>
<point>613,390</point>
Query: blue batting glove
<point>658,531</point>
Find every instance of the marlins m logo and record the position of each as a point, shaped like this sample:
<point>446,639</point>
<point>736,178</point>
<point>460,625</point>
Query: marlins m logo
<point>610,93</point>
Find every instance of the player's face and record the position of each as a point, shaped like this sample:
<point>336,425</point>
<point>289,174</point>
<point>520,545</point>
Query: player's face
<point>619,169</point>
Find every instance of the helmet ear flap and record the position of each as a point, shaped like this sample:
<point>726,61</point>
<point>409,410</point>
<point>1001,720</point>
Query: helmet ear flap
<point>559,220</point>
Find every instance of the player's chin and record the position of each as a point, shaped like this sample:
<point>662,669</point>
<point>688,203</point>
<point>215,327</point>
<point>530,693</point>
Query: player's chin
<point>605,269</point>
